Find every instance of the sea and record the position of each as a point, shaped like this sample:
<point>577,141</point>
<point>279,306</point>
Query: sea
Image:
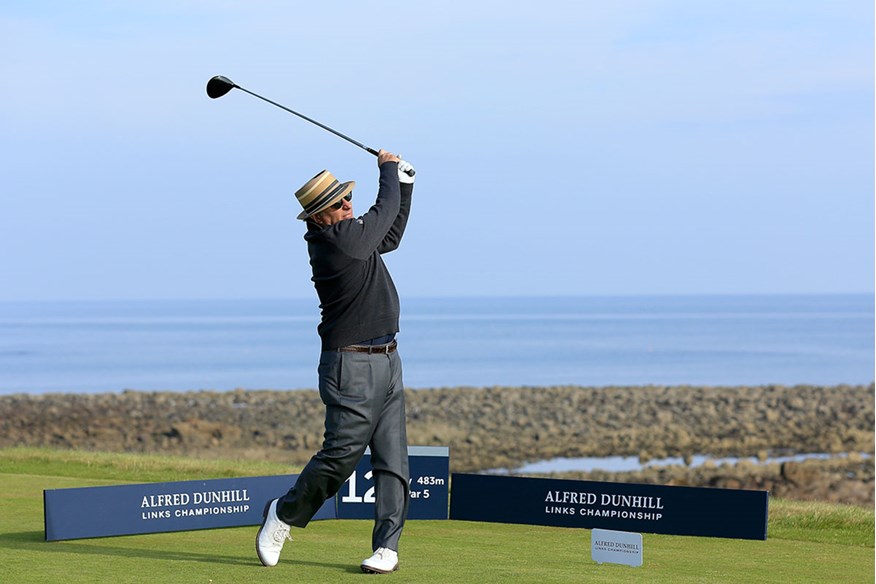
<point>88,347</point>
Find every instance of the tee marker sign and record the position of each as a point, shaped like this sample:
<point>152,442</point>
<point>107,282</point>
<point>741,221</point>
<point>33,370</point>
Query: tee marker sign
<point>616,547</point>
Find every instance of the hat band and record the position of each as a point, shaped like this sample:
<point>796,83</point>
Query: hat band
<point>333,189</point>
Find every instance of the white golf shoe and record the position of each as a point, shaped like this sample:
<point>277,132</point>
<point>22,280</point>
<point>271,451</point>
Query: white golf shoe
<point>383,561</point>
<point>271,537</point>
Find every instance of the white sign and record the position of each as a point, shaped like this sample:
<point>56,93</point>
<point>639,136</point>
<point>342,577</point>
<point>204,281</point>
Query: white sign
<point>616,547</point>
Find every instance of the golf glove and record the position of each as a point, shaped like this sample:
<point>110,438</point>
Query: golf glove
<point>403,168</point>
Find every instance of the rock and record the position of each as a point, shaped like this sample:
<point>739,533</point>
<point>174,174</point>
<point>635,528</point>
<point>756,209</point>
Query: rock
<point>798,473</point>
<point>490,428</point>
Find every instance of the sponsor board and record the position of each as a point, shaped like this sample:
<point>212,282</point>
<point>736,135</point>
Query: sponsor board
<point>662,509</point>
<point>159,507</point>
<point>209,504</point>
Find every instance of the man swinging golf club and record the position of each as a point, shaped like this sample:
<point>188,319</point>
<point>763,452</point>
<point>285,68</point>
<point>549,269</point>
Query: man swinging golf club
<point>360,373</point>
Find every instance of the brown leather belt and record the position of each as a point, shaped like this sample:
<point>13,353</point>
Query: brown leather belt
<point>370,349</point>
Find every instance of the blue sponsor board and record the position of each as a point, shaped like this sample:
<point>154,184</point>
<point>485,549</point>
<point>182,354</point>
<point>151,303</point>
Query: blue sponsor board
<point>159,507</point>
<point>429,471</point>
<point>662,509</point>
<point>209,504</point>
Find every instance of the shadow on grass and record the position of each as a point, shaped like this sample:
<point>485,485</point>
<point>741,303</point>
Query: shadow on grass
<point>35,541</point>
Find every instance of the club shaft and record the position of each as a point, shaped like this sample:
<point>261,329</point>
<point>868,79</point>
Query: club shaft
<point>312,121</point>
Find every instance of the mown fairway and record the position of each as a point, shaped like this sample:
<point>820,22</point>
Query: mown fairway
<point>807,542</point>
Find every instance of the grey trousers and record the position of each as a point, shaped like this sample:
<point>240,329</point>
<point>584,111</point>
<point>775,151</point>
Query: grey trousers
<point>365,406</point>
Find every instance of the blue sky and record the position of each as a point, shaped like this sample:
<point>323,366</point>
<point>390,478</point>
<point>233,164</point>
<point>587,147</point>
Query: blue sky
<point>628,147</point>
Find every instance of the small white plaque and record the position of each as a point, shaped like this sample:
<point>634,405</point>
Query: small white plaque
<point>616,547</point>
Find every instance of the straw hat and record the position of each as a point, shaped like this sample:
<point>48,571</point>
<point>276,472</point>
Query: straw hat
<point>320,192</point>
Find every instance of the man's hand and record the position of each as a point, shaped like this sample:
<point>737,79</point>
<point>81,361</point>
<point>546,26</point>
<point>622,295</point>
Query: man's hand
<point>384,156</point>
<point>405,172</point>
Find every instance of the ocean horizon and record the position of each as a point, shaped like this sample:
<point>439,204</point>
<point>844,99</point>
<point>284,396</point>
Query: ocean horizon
<point>182,345</point>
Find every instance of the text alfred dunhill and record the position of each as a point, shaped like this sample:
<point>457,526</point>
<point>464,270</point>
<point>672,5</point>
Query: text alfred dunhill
<point>213,503</point>
<point>603,505</point>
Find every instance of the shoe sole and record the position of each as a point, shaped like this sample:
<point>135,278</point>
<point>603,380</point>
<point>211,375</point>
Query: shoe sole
<point>258,535</point>
<point>370,570</point>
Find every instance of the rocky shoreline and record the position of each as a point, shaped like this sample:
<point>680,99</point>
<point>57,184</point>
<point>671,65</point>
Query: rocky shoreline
<point>500,427</point>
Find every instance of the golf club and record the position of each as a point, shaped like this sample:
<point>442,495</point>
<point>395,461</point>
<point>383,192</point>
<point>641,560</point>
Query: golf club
<point>219,86</point>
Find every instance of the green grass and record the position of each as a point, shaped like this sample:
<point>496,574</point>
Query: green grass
<point>142,468</point>
<point>808,542</point>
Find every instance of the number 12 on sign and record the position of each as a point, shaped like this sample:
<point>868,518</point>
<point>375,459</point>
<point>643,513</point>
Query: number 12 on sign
<point>352,497</point>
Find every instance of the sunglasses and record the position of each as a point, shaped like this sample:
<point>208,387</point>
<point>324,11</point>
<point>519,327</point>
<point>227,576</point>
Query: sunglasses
<point>339,204</point>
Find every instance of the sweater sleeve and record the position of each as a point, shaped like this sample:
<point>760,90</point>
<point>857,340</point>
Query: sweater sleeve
<point>393,237</point>
<point>359,238</point>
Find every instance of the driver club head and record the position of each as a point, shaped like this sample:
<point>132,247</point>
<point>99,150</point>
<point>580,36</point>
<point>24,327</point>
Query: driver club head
<point>219,86</point>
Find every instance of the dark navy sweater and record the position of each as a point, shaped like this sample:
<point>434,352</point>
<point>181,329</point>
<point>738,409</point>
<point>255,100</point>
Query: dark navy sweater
<point>357,297</point>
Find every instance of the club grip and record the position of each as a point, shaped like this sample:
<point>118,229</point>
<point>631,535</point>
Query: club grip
<point>410,172</point>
